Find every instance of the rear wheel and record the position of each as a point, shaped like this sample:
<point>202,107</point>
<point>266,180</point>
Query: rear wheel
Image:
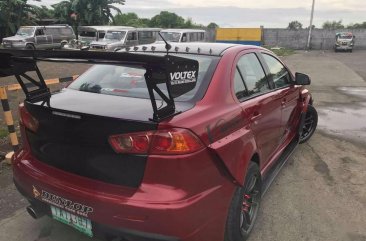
<point>244,206</point>
<point>311,121</point>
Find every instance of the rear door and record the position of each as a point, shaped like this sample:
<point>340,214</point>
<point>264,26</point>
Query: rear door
<point>41,39</point>
<point>259,104</point>
<point>285,91</point>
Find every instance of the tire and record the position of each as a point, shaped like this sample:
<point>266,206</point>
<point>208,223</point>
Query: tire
<point>244,206</point>
<point>311,122</point>
<point>30,47</point>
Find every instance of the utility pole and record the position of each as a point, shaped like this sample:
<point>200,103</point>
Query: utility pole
<point>311,25</point>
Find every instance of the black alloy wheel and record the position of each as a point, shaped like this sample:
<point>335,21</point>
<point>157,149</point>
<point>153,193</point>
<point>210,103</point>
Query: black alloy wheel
<point>311,122</point>
<point>244,206</point>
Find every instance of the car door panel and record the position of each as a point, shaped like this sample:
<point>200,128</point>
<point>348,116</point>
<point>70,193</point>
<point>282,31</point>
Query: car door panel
<point>286,91</point>
<point>265,118</point>
<point>260,106</point>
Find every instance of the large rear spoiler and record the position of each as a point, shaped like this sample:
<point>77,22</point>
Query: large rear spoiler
<point>177,73</point>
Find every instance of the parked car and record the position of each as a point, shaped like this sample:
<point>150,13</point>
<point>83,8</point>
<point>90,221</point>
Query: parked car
<point>89,34</point>
<point>121,37</point>
<point>147,145</point>
<point>344,41</point>
<point>39,37</point>
<point>183,35</point>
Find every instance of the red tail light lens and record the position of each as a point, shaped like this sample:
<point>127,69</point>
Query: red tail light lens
<point>162,142</point>
<point>27,119</point>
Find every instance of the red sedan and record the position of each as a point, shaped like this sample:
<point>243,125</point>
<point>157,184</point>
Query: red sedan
<point>160,142</point>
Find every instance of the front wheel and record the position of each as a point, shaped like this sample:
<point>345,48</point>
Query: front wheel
<point>310,124</point>
<point>30,47</point>
<point>244,206</point>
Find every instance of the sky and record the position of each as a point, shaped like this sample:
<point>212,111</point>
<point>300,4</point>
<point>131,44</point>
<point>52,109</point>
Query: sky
<point>245,13</point>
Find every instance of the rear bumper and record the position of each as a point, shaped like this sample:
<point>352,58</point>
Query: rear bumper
<point>100,230</point>
<point>176,200</point>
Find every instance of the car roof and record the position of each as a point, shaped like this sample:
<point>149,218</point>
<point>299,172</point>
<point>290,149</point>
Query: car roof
<point>203,48</point>
<point>104,27</point>
<point>183,30</point>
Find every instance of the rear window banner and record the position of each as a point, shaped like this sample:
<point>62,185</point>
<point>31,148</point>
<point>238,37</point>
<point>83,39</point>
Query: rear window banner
<point>182,74</point>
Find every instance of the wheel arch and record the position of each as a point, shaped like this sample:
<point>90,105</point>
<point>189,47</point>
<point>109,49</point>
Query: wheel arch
<point>237,163</point>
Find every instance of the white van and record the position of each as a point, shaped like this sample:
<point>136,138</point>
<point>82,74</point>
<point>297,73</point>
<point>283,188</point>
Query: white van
<point>183,35</point>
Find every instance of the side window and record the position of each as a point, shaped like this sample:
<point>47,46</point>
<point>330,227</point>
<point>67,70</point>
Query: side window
<point>101,35</point>
<point>193,37</point>
<point>278,72</point>
<point>65,31</point>
<point>239,87</point>
<point>184,37</point>
<point>39,32</point>
<point>132,36</point>
<point>253,74</point>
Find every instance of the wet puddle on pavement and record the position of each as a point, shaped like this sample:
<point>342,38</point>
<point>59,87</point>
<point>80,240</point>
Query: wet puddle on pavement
<point>348,120</point>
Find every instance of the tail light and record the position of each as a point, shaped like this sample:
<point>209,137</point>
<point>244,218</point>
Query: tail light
<point>163,142</point>
<point>27,119</point>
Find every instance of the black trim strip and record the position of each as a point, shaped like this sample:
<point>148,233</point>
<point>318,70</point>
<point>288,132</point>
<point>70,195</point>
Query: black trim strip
<point>65,79</point>
<point>273,172</point>
<point>11,128</point>
<point>5,104</point>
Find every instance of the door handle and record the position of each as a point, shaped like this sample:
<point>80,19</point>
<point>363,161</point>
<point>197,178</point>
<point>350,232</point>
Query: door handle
<point>255,116</point>
<point>283,102</point>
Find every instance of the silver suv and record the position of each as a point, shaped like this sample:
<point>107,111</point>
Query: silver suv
<point>122,37</point>
<point>40,37</point>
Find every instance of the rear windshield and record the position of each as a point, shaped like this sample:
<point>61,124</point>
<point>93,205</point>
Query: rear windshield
<point>130,81</point>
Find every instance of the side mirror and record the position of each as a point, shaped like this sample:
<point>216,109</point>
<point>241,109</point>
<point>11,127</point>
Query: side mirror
<point>302,79</point>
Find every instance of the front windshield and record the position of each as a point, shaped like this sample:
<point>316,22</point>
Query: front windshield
<point>115,35</point>
<point>345,37</point>
<point>130,81</point>
<point>169,36</point>
<point>23,31</point>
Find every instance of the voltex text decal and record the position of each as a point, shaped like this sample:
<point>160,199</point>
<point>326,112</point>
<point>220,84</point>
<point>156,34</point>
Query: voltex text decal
<point>183,77</point>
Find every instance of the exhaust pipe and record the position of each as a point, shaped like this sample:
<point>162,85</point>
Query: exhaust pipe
<point>35,212</point>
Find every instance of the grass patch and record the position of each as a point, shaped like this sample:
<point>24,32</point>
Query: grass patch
<point>3,132</point>
<point>280,51</point>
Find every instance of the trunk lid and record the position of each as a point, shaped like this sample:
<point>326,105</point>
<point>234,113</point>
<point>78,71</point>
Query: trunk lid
<point>73,134</point>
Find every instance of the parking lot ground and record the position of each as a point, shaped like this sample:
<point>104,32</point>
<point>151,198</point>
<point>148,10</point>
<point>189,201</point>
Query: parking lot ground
<point>319,195</point>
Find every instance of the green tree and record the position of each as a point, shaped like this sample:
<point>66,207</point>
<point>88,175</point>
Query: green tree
<point>14,13</point>
<point>44,12</point>
<point>357,25</point>
<point>129,19</point>
<point>331,25</point>
<point>294,25</point>
<point>212,26</point>
<point>167,20</point>
<point>88,12</point>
